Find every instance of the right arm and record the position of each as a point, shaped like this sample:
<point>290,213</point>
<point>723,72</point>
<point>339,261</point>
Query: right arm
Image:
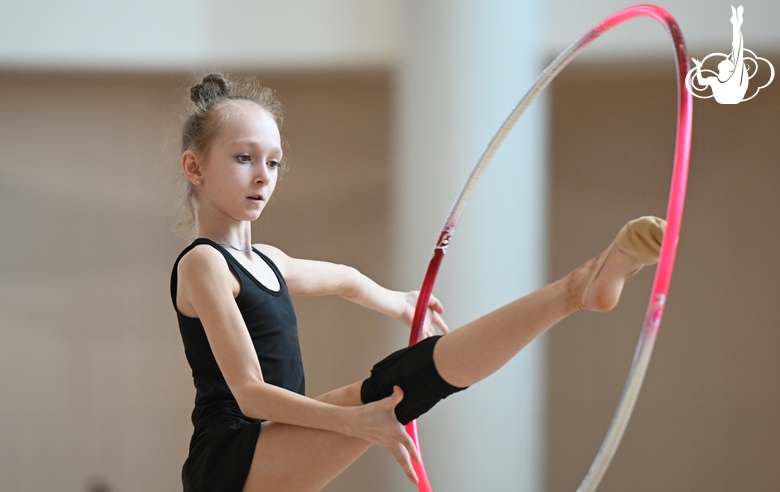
<point>315,278</point>
<point>207,289</point>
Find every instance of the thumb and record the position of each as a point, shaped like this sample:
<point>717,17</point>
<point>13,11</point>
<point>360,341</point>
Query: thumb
<point>397,396</point>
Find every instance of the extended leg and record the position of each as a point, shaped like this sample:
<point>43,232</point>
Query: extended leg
<point>480,348</point>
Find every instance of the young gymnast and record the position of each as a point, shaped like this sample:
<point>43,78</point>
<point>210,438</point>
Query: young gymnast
<point>254,428</point>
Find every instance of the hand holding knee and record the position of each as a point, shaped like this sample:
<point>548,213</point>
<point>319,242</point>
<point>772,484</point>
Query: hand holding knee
<point>376,423</point>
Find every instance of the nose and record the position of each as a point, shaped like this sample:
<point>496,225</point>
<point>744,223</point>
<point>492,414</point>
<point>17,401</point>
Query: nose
<point>263,174</point>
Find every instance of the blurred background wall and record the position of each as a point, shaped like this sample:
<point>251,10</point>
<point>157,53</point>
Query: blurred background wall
<point>96,389</point>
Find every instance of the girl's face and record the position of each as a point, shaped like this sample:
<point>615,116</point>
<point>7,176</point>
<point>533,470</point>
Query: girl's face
<point>239,170</point>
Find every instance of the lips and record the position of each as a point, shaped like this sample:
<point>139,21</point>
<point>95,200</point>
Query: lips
<point>257,198</point>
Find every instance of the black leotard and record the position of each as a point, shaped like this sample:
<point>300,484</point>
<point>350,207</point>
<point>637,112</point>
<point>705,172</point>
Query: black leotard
<point>224,439</point>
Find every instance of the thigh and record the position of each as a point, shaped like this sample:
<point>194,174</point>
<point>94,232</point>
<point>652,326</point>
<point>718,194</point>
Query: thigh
<point>300,459</point>
<point>292,458</point>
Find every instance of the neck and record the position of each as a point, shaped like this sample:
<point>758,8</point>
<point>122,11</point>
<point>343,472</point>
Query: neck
<point>237,234</point>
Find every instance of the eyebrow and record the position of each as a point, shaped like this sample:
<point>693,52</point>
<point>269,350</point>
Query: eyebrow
<point>253,143</point>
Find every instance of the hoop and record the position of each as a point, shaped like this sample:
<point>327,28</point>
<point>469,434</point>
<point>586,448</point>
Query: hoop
<point>665,266</point>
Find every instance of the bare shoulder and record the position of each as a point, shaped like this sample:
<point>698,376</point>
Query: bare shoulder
<point>280,259</point>
<point>202,260</point>
<point>203,273</point>
<point>200,257</point>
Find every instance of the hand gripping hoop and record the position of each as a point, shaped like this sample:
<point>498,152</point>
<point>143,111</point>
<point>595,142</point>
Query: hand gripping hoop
<point>665,266</point>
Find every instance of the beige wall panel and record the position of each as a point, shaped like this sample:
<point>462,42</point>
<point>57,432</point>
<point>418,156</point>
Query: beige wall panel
<point>89,357</point>
<point>97,389</point>
<point>707,417</point>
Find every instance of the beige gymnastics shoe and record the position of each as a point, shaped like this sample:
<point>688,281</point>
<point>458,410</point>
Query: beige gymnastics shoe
<point>641,240</point>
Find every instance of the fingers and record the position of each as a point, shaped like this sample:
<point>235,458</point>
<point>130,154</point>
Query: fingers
<point>439,321</point>
<point>406,451</point>
<point>437,308</point>
<point>379,425</point>
<point>411,448</point>
<point>408,443</point>
<point>433,321</point>
<point>433,317</point>
<point>435,304</point>
<point>401,455</point>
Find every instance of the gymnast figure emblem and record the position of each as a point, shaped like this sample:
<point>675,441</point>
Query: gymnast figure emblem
<point>730,84</point>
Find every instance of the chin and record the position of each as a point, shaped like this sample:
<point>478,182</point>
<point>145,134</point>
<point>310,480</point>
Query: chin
<point>255,216</point>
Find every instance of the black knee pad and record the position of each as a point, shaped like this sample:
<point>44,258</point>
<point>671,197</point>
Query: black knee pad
<point>413,370</point>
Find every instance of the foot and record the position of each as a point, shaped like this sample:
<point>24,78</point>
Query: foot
<point>597,284</point>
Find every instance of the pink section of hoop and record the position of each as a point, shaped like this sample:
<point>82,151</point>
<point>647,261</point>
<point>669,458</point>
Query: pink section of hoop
<point>675,205</point>
<point>674,211</point>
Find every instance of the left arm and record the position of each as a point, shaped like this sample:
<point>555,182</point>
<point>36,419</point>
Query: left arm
<point>316,278</point>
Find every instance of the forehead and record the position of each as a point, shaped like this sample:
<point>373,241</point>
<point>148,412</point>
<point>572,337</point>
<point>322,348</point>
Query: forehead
<point>246,121</point>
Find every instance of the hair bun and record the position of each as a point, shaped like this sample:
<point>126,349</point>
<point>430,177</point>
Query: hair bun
<point>213,87</point>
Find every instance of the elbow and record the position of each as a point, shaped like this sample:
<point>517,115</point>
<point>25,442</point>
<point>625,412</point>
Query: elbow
<point>247,410</point>
<point>349,285</point>
<point>247,396</point>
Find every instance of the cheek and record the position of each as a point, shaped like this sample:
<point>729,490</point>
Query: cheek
<point>273,184</point>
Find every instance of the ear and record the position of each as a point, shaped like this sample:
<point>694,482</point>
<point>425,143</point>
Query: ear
<point>191,165</point>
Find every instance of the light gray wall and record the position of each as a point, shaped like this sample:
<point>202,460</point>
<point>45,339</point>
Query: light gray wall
<point>162,35</point>
<point>449,106</point>
<point>310,34</point>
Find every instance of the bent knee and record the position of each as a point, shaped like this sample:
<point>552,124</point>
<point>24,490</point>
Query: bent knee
<point>413,370</point>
